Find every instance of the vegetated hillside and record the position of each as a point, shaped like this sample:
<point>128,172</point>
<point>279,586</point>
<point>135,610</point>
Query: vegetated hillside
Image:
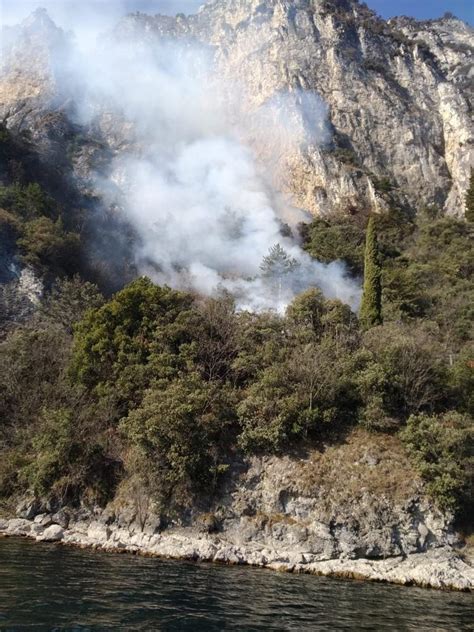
<point>174,394</point>
<point>172,389</point>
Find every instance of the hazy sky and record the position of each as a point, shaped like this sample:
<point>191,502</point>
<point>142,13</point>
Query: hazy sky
<point>60,9</point>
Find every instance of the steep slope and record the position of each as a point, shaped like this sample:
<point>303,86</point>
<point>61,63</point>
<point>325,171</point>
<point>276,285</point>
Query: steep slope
<point>399,94</point>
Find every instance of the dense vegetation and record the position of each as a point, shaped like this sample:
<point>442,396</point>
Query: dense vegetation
<point>168,389</point>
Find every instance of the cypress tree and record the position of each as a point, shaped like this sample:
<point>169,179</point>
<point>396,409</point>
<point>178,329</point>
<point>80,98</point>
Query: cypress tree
<point>470,200</point>
<point>371,307</point>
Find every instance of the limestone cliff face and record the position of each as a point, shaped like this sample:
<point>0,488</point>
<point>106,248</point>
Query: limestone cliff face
<point>399,94</point>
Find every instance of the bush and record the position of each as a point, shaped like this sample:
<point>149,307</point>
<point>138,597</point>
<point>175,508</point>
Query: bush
<point>406,372</point>
<point>48,248</point>
<point>180,431</point>
<point>68,301</point>
<point>28,202</point>
<point>443,449</point>
<point>69,458</point>
<point>33,367</point>
<point>309,393</point>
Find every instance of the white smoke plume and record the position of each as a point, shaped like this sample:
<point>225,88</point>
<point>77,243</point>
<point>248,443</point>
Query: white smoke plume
<point>185,178</point>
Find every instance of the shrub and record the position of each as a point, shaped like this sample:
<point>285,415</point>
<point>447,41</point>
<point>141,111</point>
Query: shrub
<point>135,336</point>
<point>443,449</point>
<point>180,432</point>
<point>47,247</point>
<point>406,372</point>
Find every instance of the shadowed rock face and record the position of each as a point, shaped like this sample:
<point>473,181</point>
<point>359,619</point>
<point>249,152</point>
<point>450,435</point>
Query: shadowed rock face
<point>399,94</point>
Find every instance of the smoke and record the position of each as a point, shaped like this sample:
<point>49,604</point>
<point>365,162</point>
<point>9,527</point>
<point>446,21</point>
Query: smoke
<point>184,175</point>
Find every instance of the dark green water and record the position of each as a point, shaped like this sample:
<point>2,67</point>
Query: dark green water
<point>49,587</point>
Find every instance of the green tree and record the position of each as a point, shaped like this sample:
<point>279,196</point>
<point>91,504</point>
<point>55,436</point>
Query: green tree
<point>278,263</point>
<point>371,308</point>
<point>470,199</point>
<point>307,393</point>
<point>138,335</point>
<point>276,269</point>
<point>48,247</point>
<point>338,238</point>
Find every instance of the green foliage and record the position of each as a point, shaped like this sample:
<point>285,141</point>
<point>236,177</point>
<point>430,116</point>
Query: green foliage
<point>9,229</point>
<point>302,383</point>
<point>384,185</point>
<point>32,221</point>
<point>433,279</point>
<point>341,238</point>
<point>462,380</point>
<point>33,365</point>
<point>443,449</point>
<point>28,202</point>
<point>69,461</point>
<point>165,388</point>
<point>276,266</point>
<point>135,337</point>
<point>404,371</point>
<point>47,247</point>
<point>470,199</point>
<point>179,432</point>
<point>309,393</point>
<point>371,307</point>
<point>260,341</point>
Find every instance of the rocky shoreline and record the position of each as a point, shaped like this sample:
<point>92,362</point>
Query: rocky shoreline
<point>440,568</point>
<point>353,510</point>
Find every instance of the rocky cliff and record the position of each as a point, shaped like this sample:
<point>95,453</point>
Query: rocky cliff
<point>399,95</point>
<point>356,509</point>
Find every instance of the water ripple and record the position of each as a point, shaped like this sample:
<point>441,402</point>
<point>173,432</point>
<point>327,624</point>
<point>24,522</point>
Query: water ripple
<point>47,587</point>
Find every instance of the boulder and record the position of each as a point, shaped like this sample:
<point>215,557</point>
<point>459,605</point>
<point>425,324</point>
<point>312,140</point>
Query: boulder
<point>54,533</point>
<point>43,520</point>
<point>61,518</point>
<point>18,526</point>
<point>28,508</point>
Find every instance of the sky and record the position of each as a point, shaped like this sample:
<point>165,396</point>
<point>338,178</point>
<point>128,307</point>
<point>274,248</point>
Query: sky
<point>421,9</point>
<point>424,9</point>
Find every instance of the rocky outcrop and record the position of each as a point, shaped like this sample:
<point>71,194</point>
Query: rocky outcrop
<point>354,510</point>
<point>398,93</point>
<point>441,567</point>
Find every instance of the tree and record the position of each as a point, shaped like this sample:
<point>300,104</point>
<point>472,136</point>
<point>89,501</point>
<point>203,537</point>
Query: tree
<point>276,266</point>
<point>69,300</point>
<point>278,263</point>
<point>404,374</point>
<point>443,448</point>
<point>138,335</point>
<point>371,308</point>
<point>340,238</point>
<point>470,199</point>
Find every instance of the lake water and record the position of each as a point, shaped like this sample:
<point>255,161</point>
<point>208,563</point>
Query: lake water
<point>51,587</point>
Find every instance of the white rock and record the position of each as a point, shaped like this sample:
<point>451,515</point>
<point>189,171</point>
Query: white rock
<point>53,533</point>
